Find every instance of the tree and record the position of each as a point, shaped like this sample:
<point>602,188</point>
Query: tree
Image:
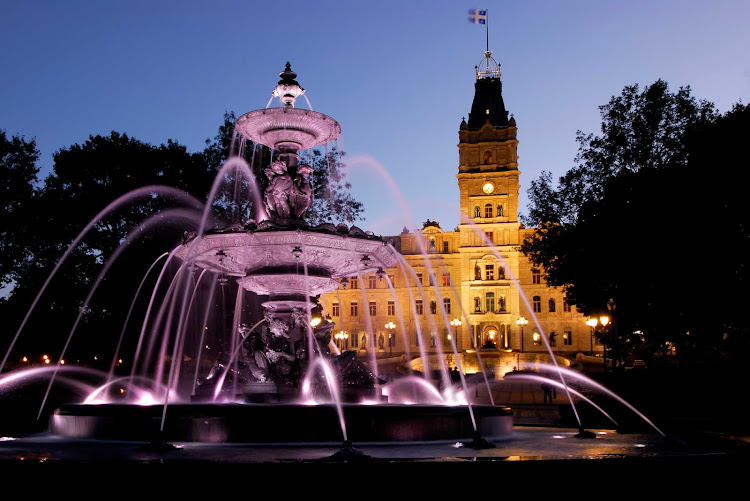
<point>640,130</point>
<point>332,201</point>
<point>87,178</point>
<point>18,175</point>
<point>628,221</point>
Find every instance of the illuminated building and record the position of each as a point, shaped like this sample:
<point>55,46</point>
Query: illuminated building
<point>474,273</point>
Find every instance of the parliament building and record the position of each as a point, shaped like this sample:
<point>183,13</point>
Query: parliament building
<point>471,285</point>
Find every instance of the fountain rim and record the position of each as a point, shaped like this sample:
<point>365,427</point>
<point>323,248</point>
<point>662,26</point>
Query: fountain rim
<point>316,128</point>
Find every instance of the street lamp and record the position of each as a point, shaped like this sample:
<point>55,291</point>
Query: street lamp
<point>611,306</point>
<point>456,322</point>
<point>604,320</point>
<point>521,322</point>
<point>591,322</point>
<point>390,326</point>
<point>341,338</point>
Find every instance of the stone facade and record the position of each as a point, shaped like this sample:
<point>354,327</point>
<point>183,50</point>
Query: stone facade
<point>474,274</point>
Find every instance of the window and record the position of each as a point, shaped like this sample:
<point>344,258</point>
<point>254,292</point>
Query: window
<point>553,338</point>
<point>551,305</point>
<point>373,309</point>
<point>353,310</point>
<point>489,301</point>
<point>446,279</point>
<point>537,304</point>
<point>447,305</point>
<point>391,308</point>
<point>536,338</point>
<point>536,276</point>
<point>488,210</point>
<point>335,310</point>
<point>372,282</point>
<point>489,272</point>
<point>419,278</point>
<point>488,236</point>
<point>567,337</point>
<point>354,282</point>
<point>445,247</point>
<point>355,340</point>
<point>566,305</point>
<point>432,280</point>
<point>419,307</point>
<point>501,273</point>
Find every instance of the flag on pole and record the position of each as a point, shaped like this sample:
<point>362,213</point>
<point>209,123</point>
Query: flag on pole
<point>478,16</point>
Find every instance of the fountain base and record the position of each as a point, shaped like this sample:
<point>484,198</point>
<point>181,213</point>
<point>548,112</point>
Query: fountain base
<point>280,423</point>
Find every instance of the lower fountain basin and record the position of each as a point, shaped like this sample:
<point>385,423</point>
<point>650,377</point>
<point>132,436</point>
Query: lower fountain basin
<point>280,423</point>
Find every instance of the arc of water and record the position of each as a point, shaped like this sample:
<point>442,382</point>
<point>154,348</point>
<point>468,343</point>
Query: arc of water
<point>142,335</point>
<point>145,191</point>
<point>333,388</point>
<point>575,375</point>
<point>153,220</point>
<point>182,328</point>
<point>232,359</point>
<point>204,326</point>
<point>127,317</point>
<point>529,308</point>
<point>142,392</point>
<point>558,384</point>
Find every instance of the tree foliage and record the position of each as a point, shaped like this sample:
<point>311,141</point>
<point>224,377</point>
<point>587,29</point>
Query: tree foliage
<point>652,216</point>
<point>18,175</point>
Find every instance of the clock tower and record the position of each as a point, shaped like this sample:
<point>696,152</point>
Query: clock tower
<point>488,182</point>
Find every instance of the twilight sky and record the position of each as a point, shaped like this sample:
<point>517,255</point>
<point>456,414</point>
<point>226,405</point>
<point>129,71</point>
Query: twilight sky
<point>397,75</point>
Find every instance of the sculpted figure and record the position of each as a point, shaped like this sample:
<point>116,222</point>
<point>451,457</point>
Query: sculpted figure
<point>300,197</point>
<point>276,196</point>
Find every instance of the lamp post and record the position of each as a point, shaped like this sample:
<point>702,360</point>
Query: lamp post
<point>341,338</point>
<point>456,322</point>
<point>604,320</point>
<point>521,322</point>
<point>611,306</point>
<point>390,326</point>
<point>591,322</point>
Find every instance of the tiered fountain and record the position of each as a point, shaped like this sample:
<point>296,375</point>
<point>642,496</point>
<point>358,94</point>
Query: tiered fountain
<point>255,391</point>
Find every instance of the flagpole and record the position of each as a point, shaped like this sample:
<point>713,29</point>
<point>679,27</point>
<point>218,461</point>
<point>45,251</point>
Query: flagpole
<point>487,28</point>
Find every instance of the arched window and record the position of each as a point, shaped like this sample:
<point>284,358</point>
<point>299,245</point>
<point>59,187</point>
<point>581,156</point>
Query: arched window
<point>487,159</point>
<point>488,210</point>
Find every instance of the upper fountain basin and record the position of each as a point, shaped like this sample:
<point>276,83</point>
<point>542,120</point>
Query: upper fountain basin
<point>294,128</point>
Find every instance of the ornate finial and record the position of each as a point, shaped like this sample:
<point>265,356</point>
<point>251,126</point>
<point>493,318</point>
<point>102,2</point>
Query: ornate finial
<point>288,89</point>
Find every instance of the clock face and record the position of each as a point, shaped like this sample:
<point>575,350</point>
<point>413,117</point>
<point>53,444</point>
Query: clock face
<point>488,187</point>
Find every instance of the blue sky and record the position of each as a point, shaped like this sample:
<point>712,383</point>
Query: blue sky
<point>397,75</point>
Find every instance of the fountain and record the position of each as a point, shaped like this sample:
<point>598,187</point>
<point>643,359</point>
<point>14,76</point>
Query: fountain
<point>276,378</point>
